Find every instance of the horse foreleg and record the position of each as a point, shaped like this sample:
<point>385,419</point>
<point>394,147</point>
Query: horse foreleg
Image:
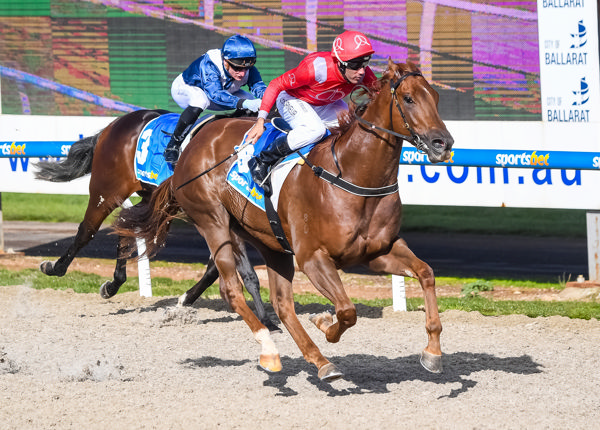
<point>110,288</point>
<point>401,261</point>
<point>321,271</point>
<point>280,268</point>
<point>210,276</point>
<point>85,233</point>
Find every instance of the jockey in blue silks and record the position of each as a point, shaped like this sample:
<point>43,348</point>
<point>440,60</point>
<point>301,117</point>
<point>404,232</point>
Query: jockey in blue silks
<point>213,81</point>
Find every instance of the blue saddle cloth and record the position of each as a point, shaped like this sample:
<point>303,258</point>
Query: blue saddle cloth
<point>150,164</point>
<point>239,176</point>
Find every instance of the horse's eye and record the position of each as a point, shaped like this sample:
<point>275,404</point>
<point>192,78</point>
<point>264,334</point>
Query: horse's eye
<point>408,99</point>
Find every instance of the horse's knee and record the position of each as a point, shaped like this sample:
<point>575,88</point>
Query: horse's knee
<point>426,276</point>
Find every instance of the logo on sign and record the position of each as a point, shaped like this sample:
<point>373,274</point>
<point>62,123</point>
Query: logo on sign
<point>581,95</point>
<point>13,149</point>
<point>579,38</point>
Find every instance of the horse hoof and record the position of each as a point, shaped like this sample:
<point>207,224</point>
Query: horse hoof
<point>329,372</point>
<point>323,320</point>
<point>46,267</point>
<point>270,362</point>
<point>431,362</point>
<point>105,291</point>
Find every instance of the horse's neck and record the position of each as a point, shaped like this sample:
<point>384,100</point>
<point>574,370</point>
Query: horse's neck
<point>370,158</point>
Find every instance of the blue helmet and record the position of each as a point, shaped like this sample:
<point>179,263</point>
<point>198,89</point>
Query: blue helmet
<point>239,51</point>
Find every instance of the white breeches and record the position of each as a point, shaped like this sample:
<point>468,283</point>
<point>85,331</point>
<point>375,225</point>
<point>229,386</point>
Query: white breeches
<point>188,95</point>
<point>309,123</point>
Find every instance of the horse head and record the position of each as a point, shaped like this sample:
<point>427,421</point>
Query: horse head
<point>414,111</point>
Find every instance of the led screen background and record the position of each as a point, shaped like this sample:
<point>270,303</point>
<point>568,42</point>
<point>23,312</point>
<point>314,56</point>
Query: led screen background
<point>67,57</point>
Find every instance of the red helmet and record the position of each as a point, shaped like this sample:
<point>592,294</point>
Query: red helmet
<point>350,45</point>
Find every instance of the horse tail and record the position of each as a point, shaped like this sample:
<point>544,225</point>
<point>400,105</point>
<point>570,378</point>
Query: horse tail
<point>151,221</point>
<point>77,164</point>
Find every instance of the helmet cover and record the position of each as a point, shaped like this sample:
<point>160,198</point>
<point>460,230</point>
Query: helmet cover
<point>239,51</point>
<point>350,45</point>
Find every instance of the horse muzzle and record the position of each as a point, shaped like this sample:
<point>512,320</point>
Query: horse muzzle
<point>438,145</point>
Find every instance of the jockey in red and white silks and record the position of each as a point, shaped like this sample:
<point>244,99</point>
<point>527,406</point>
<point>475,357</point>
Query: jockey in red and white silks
<point>310,96</point>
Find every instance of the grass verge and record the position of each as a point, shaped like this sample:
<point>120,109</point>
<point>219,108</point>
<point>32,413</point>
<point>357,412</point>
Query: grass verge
<point>90,283</point>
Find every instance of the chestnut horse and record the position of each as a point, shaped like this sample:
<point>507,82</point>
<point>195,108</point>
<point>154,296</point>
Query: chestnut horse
<point>109,157</point>
<point>327,227</point>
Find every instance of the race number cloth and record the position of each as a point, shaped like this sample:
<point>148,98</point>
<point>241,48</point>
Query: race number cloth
<point>239,176</point>
<point>150,166</point>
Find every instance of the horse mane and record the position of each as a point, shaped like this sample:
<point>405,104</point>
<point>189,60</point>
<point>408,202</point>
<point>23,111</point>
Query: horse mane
<point>347,118</point>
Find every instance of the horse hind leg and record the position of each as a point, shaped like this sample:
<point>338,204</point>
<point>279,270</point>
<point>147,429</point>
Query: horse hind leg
<point>231,291</point>
<point>281,272</point>
<point>252,284</point>
<point>401,261</point>
<point>110,288</point>
<point>85,233</point>
<point>249,278</point>
<point>210,276</point>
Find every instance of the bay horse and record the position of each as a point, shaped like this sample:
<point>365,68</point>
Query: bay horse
<point>109,157</point>
<point>327,227</point>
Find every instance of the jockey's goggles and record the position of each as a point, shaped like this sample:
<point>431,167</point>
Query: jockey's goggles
<point>358,63</point>
<point>241,64</point>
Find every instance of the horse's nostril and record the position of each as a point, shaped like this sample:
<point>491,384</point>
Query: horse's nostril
<point>439,143</point>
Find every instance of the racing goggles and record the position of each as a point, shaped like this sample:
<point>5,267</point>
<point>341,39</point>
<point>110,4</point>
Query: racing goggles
<point>241,64</point>
<point>358,63</point>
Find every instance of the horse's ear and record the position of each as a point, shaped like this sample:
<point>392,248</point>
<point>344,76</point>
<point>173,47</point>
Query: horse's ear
<point>392,67</point>
<point>412,66</point>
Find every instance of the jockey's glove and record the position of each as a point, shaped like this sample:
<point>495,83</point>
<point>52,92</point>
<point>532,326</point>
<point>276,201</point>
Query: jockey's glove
<point>253,105</point>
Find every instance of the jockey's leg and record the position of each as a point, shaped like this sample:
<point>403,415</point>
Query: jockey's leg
<point>184,124</point>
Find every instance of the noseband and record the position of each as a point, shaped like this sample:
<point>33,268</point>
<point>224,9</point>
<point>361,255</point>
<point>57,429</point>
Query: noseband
<point>414,137</point>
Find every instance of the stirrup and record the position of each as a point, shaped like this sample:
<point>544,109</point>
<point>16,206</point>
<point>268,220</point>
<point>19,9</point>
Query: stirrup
<point>171,156</point>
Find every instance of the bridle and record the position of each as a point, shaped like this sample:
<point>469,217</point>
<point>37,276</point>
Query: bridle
<point>414,138</point>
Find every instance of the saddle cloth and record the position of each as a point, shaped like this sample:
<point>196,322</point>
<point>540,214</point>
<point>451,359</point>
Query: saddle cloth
<point>150,165</point>
<point>239,176</point>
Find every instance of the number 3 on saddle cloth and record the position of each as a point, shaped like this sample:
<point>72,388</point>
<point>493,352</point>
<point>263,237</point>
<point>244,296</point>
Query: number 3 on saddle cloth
<point>239,176</point>
<point>150,165</point>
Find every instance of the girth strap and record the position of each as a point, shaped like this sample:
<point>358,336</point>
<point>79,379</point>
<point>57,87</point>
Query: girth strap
<point>275,223</point>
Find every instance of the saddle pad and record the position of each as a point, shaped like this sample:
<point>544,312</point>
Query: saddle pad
<point>150,165</point>
<point>239,176</point>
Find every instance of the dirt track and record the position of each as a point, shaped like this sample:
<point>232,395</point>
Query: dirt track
<point>77,361</point>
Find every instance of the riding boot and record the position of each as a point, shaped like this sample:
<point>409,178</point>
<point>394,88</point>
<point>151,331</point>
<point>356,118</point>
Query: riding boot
<point>185,122</point>
<point>261,164</point>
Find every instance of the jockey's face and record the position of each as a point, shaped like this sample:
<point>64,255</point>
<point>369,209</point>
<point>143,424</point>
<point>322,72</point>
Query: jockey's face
<point>236,72</point>
<point>354,76</point>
